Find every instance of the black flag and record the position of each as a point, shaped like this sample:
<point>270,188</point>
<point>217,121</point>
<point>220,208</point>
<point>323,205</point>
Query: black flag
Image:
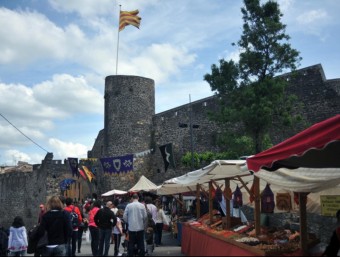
<point>74,166</point>
<point>168,157</point>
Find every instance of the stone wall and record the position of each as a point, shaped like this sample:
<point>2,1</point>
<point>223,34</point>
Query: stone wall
<point>131,126</point>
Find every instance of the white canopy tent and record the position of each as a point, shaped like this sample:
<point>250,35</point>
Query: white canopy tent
<point>217,170</point>
<point>114,192</point>
<point>143,184</point>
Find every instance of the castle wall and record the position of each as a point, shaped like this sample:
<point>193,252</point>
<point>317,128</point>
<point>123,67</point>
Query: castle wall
<point>131,126</point>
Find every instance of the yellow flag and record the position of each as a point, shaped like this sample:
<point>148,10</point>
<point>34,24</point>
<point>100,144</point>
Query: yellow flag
<point>88,173</point>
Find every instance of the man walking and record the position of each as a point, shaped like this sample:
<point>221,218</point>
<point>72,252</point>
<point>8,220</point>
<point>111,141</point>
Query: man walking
<point>72,245</point>
<point>105,219</point>
<point>136,217</point>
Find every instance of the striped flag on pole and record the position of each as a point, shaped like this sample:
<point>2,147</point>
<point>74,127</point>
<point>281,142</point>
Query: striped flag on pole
<point>88,173</point>
<point>129,18</point>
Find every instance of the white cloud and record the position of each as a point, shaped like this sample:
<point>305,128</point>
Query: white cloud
<point>20,106</point>
<point>11,136</point>
<point>312,17</point>
<point>12,157</point>
<point>285,5</point>
<point>32,37</point>
<point>158,61</point>
<point>62,150</point>
<point>69,95</point>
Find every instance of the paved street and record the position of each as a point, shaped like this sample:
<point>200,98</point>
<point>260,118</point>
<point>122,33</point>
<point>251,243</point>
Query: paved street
<point>170,247</point>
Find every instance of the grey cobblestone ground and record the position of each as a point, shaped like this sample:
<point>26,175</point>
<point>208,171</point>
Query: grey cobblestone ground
<point>170,247</point>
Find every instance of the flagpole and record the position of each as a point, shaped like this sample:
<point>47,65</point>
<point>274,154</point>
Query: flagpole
<point>120,6</point>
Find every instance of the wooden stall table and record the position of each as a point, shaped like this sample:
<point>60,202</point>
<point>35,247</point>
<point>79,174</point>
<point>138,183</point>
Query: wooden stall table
<point>199,243</point>
<point>196,242</point>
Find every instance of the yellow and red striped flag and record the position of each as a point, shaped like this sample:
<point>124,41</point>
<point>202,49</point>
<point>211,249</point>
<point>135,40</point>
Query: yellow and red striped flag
<point>129,18</point>
<point>88,173</point>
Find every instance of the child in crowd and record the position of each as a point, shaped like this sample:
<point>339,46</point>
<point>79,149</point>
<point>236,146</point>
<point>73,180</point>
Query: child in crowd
<point>17,242</point>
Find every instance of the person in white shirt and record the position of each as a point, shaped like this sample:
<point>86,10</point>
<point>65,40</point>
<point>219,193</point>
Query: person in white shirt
<point>115,210</point>
<point>117,232</point>
<point>17,241</point>
<point>136,217</point>
<point>160,221</point>
<point>151,207</point>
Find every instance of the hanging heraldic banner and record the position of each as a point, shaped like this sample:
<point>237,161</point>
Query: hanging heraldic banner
<point>117,164</point>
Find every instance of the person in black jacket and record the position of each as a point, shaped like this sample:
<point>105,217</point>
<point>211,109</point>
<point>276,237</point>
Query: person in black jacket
<point>57,223</point>
<point>105,219</point>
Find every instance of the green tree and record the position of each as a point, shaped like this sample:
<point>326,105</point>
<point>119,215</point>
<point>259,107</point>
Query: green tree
<point>251,97</point>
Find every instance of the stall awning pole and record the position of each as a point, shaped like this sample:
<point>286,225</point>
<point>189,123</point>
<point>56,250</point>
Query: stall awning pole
<point>303,222</point>
<point>198,203</point>
<point>227,202</point>
<point>210,203</point>
<point>257,211</point>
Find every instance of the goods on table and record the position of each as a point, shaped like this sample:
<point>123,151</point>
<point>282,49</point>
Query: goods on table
<point>272,241</point>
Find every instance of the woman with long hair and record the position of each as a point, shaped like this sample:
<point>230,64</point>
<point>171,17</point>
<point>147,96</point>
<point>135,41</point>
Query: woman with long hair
<point>17,242</point>
<point>57,223</point>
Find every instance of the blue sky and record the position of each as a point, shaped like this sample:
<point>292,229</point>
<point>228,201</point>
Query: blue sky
<point>55,55</point>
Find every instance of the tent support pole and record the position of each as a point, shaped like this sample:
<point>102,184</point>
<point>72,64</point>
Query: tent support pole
<point>303,222</point>
<point>257,211</point>
<point>244,185</point>
<point>210,203</point>
<point>198,202</point>
<point>227,202</point>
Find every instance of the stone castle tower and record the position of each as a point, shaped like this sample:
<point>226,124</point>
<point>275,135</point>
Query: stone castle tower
<point>129,107</point>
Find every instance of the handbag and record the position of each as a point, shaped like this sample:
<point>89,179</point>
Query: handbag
<point>43,241</point>
<point>33,243</point>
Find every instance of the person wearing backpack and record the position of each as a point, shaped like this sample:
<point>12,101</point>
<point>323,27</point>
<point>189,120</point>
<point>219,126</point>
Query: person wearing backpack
<point>76,219</point>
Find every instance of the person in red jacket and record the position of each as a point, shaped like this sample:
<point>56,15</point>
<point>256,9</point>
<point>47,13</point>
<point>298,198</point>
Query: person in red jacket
<point>73,240</point>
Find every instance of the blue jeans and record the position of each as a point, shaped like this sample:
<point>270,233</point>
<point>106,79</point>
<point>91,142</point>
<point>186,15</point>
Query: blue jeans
<point>18,253</point>
<point>104,241</point>
<point>136,237</point>
<point>94,231</point>
<point>59,250</point>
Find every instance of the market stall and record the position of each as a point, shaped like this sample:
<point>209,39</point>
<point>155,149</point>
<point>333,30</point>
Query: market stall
<point>114,192</point>
<point>307,162</point>
<point>216,176</point>
<point>143,184</point>
<point>252,240</point>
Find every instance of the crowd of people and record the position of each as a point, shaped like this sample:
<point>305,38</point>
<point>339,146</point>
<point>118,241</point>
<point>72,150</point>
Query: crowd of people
<point>135,223</point>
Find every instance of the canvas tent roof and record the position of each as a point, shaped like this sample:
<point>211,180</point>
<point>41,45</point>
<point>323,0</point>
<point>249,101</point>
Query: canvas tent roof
<point>114,192</point>
<point>306,162</point>
<point>143,184</point>
<point>316,147</point>
<point>217,170</point>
